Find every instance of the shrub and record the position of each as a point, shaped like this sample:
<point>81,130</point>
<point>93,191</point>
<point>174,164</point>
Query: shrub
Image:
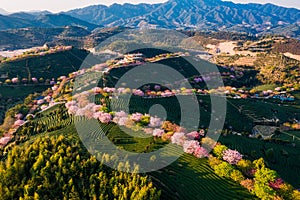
<point>224,169</point>
<point>264,191</point>
<point>259,163</point>
<point>262,179</point>
<point>213,161</point>
<point>145,120</point>
<point>167,136</point>
<point>248,183</point>
<point>245,166</point>
<point>169,127</point>
<point>237,176</point>
<point>218,151</point>
<point>296,195</point>
<point>277,184</point>
<point>286,191</point>
<point>208,143</point>
<point>7,81</point>
<point>265,175</point>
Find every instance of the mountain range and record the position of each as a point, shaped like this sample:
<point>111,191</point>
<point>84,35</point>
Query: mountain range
<point>211,14</point>
<point>42,20</point>
<point>207,15</point>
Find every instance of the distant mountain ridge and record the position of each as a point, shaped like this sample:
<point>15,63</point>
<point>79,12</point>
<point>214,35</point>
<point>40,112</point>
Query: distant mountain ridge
<point>205,15</point>
<point>42,19</point>
<point>192,14</point>
<point>104,15</point>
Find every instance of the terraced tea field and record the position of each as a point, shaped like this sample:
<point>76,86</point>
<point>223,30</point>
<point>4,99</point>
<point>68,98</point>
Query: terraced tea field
<point>187,178</point>
<point>188,175</point>
<point>247,111</point>
<point>192,178</point>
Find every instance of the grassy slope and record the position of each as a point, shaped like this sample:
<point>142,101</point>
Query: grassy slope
<point>11,95</point>
<point>187,178</point>
<point>47,67</point>
<point>20,91</point>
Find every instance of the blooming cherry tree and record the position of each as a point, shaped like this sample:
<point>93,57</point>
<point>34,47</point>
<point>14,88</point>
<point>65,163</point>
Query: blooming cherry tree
<point>155,122</point>
<point>178,138</point>
<point>19,122</point>
<point>15,80</point>
<point>136,117</point>
<point>200,152</point>
<point>138,93</point>
<point>232,156</point>
<point>105,118</point>
<point>158,132</point>
<point>194,135</point>
<point>189,146</point>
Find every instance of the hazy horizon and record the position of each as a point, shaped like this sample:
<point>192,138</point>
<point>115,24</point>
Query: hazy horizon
<point>57,6</point>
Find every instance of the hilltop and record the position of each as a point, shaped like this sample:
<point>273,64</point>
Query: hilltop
<point>42,20</point>
<point>68,36</point>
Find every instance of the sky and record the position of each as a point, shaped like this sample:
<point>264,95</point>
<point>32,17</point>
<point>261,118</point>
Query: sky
<point>64,5</point>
